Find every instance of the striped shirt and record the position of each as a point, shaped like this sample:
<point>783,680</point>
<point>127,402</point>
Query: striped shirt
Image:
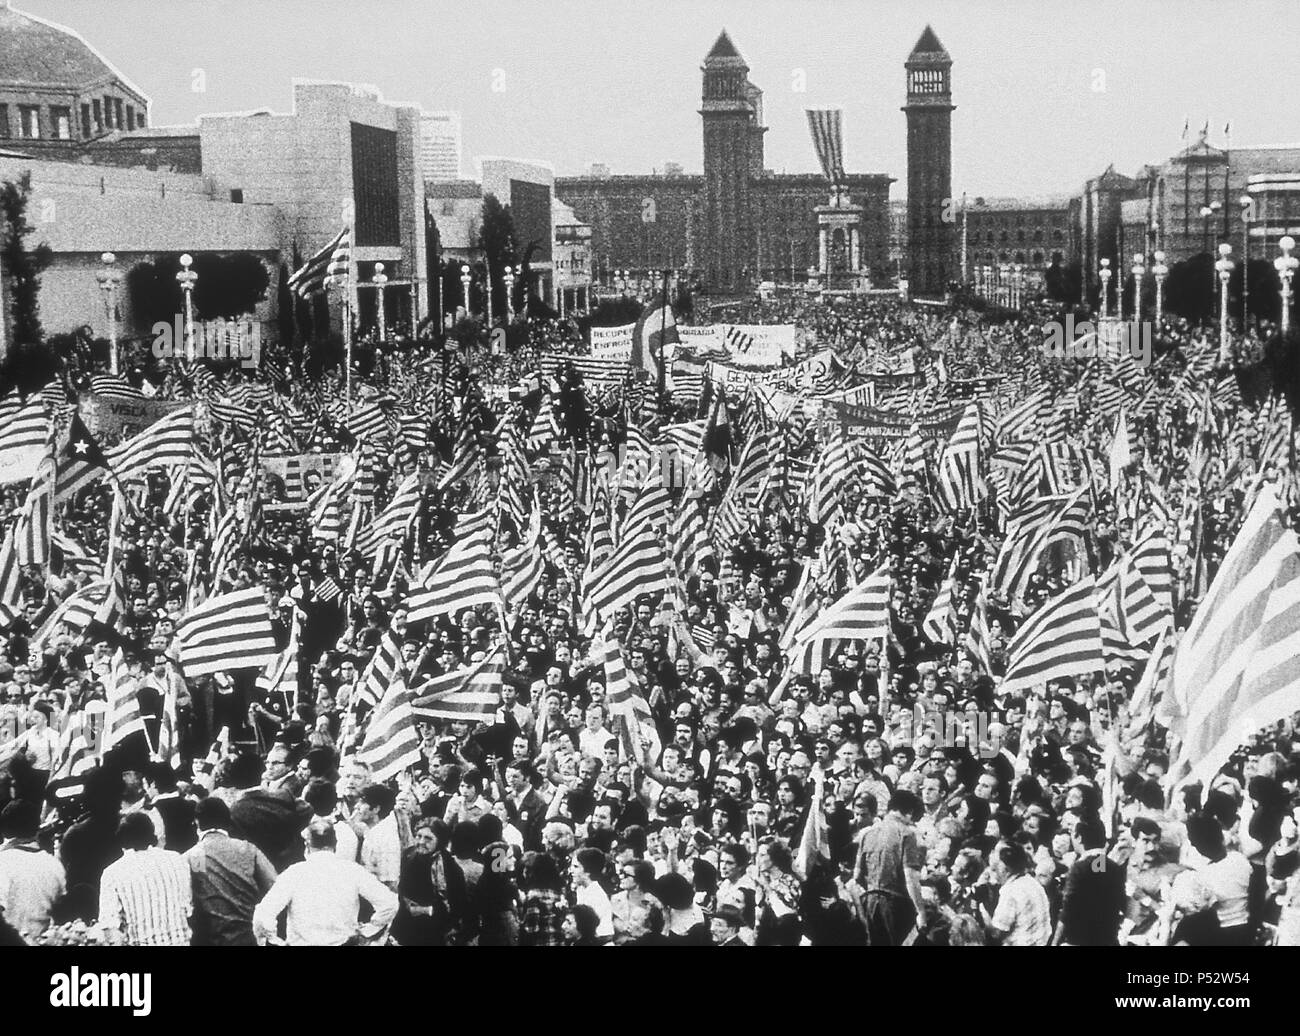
<point>146,895</point>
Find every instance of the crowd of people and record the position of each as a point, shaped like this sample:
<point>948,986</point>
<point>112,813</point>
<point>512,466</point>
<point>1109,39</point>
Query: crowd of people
<point>767,801</point>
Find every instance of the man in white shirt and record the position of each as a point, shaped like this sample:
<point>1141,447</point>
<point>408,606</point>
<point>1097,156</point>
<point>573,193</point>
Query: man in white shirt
<point>323,896</point>
<point>31,881</point>
<point>381,846</point>
<point>587,866</point>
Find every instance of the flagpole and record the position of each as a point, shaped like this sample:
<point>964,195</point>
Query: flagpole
<point>349,303</point>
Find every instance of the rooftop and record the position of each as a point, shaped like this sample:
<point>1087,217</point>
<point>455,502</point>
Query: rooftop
<point>36,52</point>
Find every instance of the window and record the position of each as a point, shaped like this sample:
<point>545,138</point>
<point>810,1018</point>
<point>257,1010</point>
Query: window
<point>99,116</point>
<point>29,122</point>
<point>4,121</point>
<point>1057,236</point>
<point>108,113</point>
<point>237,195</point>
<point>117,113</point>
<point>130,116</point>
<point>60,123</point>
<point>85,120</point>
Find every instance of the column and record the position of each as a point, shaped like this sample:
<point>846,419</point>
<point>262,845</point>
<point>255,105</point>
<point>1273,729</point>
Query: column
<point>823,249</point>
<point>853,249</point>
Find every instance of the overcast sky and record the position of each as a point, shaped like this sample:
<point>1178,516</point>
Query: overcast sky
<point>1047,94</point>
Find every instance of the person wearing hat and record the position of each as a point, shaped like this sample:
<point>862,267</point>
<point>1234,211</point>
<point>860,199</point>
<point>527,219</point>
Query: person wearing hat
<point>724,926</point>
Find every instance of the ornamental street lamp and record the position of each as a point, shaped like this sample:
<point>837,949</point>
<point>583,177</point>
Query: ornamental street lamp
<point>1104,274</point>
<point>109,279</point>
<point>186,279</point>
<point>380,279</point>
<point>464,284</point>
<point>1224,269</point>
<point>1160,271</point>
<point>1139,269</point>
<point>1285,265</point>
<point>509,277</point>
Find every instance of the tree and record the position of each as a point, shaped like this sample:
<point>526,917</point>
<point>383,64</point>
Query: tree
<point>500,246</point>
<point>228,285</point>
<point>284,307</point>
<point>1191,290</point>
<point>1063,282</point>
<point>22,266</point>
<point>433,265</point>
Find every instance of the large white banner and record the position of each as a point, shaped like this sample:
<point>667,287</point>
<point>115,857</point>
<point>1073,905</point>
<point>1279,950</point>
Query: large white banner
<point>760,345</point>
<point>701,339</point>
<point>612,343</point>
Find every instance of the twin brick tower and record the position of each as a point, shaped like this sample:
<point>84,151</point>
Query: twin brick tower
<point>741,223</point>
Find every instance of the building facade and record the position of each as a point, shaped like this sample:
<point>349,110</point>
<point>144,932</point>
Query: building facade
<point>931,214</point>
<point>440,147</point>
<point>343,151</point>
<point>56,91</point>
<point>735,224</point>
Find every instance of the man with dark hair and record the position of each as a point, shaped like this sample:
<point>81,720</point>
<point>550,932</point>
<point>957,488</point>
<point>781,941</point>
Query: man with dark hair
<point>146,894</point>
<point>586,870</point>
<point>1094,899</point>
<point>271,820</point>
<point>525,808</point>
<point>31,881</point>
<point>381,845</point>
<point>171,813</point>
<point>229,876</point>
<point>889,872</point>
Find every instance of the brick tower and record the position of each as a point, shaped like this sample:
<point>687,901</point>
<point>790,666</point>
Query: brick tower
<point>929,167</point>
<point>732,110</point>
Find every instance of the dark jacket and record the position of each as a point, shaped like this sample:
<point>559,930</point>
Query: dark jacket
<point>1093,902</point>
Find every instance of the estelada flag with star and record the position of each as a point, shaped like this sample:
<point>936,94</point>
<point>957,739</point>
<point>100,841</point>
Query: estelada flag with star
<point>655,329</point>
<point>79,461</point>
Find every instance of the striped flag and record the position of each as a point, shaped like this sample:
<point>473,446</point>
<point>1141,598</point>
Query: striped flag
<point>1061,639</point>
<point>34,527</point>
<point>1046,522</point>
<point>165,443</point>
<point>826,127</point>
<point>281,674</point>
<point>1121,451</point>
<point>467,695</point>
<point>24,431</point>
<point>76,758</point>
<point>628,709</point>
<point>392,738</point>
<point>395,521</point>
<point>309,279</point>
<point>327,591</point>
<point>464,578</point>
<point>75,613</point>
<point>114,388</point>
<point>1234,670</point>
<point>123,718</point>
<point>960,485</point>
<point>861,614</point>
<point>978,639</point>
<point>367,421</point>
<point>229,631</point>
<point>939,624</point>
<point>383,666</point>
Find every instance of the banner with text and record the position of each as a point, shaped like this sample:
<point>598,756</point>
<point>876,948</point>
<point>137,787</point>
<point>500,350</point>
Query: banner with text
<point>760,345</point>
<point>112,421</point>
<point>612,343</point>
<point>865,422</point>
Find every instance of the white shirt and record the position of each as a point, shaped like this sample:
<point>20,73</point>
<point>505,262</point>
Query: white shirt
<point>381,851</point>
<point>323,895</point>
<point>31,882</point>
<point>594,896</point>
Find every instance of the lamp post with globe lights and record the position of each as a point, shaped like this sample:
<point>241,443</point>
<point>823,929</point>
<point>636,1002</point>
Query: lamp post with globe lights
<point>1104,274</point>
<point>109,279</point>
<point>509,277</point>
<point>1139,270</point>
<point>1160,271</point>
<point>379,280</point>
<point>186,279</point>
<point>464,284</point>
<point>1285,265</point>
<point>1224,270</point>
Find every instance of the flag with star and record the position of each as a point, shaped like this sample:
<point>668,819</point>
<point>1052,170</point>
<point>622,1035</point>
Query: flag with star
<point>80,462</point>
